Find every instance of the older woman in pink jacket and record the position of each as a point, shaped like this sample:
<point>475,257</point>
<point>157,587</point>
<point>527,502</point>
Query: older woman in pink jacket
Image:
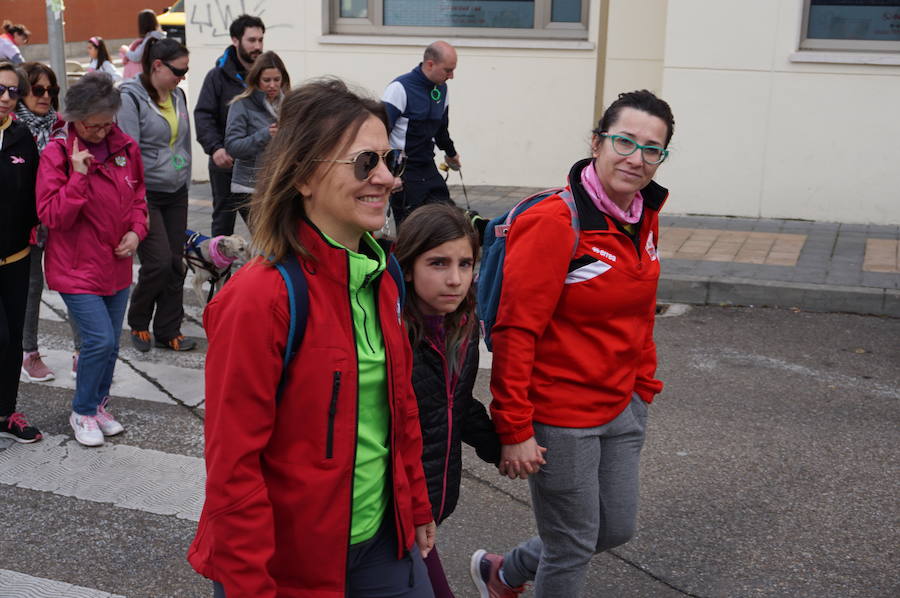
<point>90,195</point>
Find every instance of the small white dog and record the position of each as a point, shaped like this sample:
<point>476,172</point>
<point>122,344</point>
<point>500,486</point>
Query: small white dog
<point>212,259</point>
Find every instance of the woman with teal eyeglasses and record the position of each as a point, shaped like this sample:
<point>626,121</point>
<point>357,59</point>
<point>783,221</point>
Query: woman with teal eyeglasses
<point>574,364</point>
<point>155,114</point>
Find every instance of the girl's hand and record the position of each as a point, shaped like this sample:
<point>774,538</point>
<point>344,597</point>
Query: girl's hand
<point>273,128</point>
<point>80,159</point>
<point>522,459</point>
<point>425,535</point>
<point>128,245</point>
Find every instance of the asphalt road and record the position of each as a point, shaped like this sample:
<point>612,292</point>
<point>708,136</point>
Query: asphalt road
<point>770,469</point>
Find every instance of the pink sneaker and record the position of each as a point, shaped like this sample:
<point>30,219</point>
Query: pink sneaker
<point>485,571</point>
<point>34,368</point>
<point>108,424</point>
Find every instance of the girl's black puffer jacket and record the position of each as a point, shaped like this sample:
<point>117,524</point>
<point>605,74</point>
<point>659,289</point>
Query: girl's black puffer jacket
<point>441,431</point>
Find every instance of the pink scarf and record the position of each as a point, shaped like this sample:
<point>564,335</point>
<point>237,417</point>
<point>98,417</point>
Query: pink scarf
<point>218,260</point>
<point>591,183</point>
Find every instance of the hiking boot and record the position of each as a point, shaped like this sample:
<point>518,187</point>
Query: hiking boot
<point>17,427</point>
<point>179,343</point>
<point>107,423</point>
<point>34,368</point>
<point>485,571</point>
<point>140,339</point>
<point>74,365</point>
<point>87,432</point>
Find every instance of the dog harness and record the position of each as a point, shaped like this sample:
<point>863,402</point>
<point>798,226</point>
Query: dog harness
<point>218,266</point>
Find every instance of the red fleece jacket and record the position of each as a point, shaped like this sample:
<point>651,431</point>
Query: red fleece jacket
<point>574,336</point>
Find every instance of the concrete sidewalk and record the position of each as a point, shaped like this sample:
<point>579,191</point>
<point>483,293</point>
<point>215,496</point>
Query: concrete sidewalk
<point>815,266</point>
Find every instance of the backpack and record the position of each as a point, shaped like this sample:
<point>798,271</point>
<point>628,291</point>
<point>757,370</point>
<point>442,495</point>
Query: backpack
<point>298,305</point>
<point>493,254</point>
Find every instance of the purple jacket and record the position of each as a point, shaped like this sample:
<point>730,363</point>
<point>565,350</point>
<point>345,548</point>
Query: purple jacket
<point>88,214</point>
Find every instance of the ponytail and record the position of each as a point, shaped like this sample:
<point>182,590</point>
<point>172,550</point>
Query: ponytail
<point>166,50</point>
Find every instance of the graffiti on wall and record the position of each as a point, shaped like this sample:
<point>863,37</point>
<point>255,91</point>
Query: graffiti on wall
<point>213,17</point>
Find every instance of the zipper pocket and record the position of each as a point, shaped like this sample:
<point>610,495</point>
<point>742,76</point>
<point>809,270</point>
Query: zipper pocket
<point>332,412</point>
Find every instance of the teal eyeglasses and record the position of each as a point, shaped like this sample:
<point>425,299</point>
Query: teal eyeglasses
<point>625,146</point>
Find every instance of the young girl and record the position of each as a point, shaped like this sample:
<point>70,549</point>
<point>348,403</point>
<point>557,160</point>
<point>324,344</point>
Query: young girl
<point>437,249</point>
<point>100,61</point>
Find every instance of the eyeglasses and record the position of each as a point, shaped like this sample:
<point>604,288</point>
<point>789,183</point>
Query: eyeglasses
<point>97,128</point>
<point>625,146</point>
<point>39,90</point>
<point>12,90</point>
<point>176,71</point>
<point>365,162</point>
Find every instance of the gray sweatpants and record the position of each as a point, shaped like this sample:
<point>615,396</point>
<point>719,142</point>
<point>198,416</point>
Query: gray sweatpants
<point>585,501</point>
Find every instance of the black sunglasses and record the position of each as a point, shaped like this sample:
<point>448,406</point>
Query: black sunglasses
<point>40,90</point>
<point>176,71</point>
<point>12,90</point>
<point>367,160</point>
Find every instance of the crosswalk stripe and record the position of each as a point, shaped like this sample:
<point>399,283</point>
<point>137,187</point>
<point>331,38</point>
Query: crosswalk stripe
<point>125,476</point>
<point>127,382</point>
<point>19,585</point>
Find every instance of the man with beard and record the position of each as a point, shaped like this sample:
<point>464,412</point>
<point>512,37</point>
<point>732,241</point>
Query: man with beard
<point>222,83</point>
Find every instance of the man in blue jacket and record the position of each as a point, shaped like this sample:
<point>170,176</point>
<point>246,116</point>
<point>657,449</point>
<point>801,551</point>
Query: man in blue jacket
<point>418,120</point>
<point>222,83</point>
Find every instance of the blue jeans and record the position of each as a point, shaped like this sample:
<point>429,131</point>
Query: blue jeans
<point>99,319</point>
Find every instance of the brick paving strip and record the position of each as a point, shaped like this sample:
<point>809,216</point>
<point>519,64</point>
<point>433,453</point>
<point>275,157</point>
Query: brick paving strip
<point>744,247</point>
<point>882,255</point>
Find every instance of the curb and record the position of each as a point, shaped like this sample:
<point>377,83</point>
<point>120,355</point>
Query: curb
<point>704,290</point>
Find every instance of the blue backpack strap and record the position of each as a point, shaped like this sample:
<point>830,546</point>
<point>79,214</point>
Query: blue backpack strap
<point>393,267</point>
<point>298,304</point>
<point>569,200</point>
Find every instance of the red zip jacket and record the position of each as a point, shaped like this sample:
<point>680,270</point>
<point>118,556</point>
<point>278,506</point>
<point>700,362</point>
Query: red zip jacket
<point>276,521</point>
<point>574,335</point>
<point>88,214</point>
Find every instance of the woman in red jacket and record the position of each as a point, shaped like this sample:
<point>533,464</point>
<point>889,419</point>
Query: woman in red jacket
<point>574,359</point>
<point>322,494</point>
<point>90,196</point>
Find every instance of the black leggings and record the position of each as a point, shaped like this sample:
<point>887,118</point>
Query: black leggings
<point>13,297</point>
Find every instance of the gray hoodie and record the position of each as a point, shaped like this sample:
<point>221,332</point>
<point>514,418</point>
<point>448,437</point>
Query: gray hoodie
<point>166,168</point>
<point>246,137</point>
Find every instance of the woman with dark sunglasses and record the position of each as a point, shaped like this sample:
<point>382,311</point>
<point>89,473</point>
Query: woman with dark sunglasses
<point>154,113</point>
<point>574,365</point>
<point>38,111</point>
<point>18,171</point>
<point>323,494</point>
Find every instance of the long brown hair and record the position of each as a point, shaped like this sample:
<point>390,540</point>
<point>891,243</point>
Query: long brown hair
<point>316,119</point>
<point>428,227</point>
<point>266,60</point>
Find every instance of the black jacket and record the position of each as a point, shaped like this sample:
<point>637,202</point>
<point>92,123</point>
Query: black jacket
<point>18,173</point>
<point>441,434</point>
<point>222,83</point>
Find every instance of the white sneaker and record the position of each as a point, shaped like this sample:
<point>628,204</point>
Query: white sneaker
<point>108,424</point>
<point>87,432</point>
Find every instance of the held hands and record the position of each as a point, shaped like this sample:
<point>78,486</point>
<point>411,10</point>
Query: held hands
<point>222,158</point>
<point>425,535</point>
<point>273,129</point>
<point>521,460</point>
<point>127,246</point>
<point>80,159</point>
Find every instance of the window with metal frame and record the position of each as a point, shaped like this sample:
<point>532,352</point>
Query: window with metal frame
<point>860,25</point>
<point>553,19</point>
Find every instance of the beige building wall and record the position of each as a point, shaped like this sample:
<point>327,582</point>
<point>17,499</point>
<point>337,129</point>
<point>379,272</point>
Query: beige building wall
<point>763,131</point>
<point>521,112</point>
